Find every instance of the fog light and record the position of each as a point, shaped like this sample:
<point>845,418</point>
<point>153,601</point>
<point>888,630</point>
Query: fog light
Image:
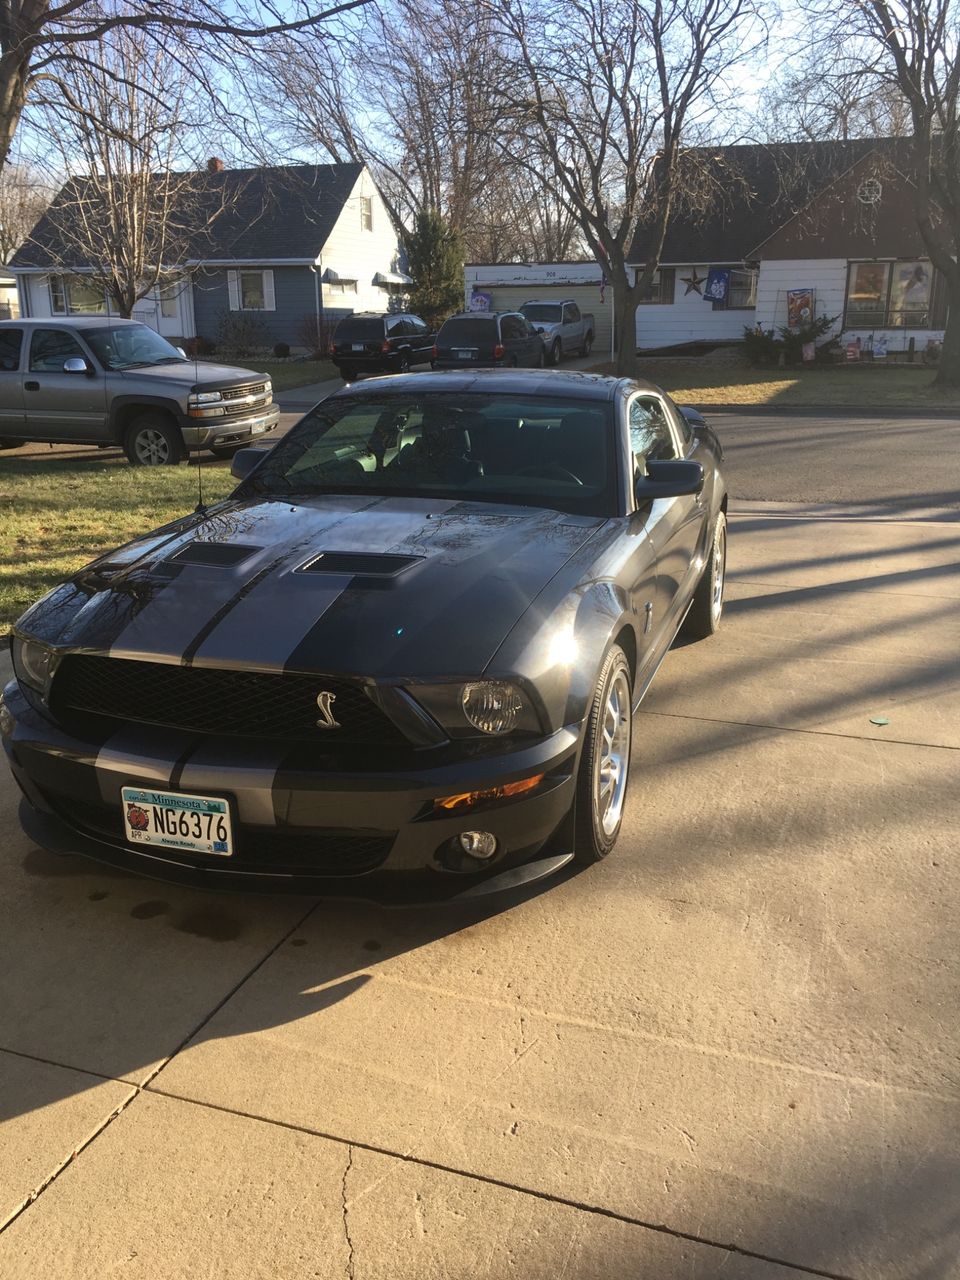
<point>478,844</point>
<point>7,722</point>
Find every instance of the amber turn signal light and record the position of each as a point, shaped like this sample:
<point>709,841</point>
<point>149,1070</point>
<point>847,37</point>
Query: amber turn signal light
<point>467,799</point>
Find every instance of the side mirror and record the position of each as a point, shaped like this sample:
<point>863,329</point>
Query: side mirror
<point>693,416</point>
<point>76,364</point>
<point>668,479</point>
<point>244,461</point>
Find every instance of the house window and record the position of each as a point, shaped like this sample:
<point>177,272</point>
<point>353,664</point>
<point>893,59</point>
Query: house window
<point>909,294</point>
<point>73,295</point>
<point>251,290</point>
<point>741,292</point>
<point>339,287</point>
<point>169,294</point>
<point>366,213</point>
<point>661,287</point>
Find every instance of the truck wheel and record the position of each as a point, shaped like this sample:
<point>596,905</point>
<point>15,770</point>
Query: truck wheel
<point>587,344</point>
<point>152,441</point>
<point>555,354</point>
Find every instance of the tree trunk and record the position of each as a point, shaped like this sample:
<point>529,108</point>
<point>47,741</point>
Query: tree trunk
<point>13,94</point>
<point>948,371</point>
<point>625,303</point>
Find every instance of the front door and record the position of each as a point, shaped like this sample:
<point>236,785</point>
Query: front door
<point>11,384</point>
<point>71,407</point>
<point>674,525</point>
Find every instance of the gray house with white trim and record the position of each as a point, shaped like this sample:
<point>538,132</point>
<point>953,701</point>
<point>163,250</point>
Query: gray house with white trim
<point>293,244</point>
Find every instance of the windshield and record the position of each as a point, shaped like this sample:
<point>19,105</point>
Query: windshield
<point>130,346</point>
<point>544,452</point>
<point>545,312</point>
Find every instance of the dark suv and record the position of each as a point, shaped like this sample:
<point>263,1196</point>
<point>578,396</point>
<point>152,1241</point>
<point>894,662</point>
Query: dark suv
<point>493,340</point>
<point>380,342</point>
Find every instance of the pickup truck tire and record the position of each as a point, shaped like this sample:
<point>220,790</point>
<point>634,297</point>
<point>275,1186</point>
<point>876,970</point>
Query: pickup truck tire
<point>152,440</point>
<point>587,343</point>
<point>554,358</point>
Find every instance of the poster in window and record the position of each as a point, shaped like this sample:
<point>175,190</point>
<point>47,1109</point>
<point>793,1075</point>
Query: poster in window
<point>909,293</point>
<point>868,286</point>
<point>718,284</point>
<point>799,308</point>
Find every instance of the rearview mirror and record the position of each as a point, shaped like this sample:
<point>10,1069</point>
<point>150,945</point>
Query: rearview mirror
<point>244,460</point>
<point>76,364</point>
<point>668,479</point>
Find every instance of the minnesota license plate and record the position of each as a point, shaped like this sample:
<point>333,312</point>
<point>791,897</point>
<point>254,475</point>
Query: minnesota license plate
<point>464,355</point>
<point>198,824</point>
<point>359,346</point>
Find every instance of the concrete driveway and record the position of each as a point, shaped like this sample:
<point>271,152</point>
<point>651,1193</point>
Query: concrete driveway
<point>731,1050</point>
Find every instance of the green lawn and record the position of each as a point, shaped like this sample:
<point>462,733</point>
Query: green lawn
<point>285,374</point>
<point>705,382</point>
<point>57,514</point>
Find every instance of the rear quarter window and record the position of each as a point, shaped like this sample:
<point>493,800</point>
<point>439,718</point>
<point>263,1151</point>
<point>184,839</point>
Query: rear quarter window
<point>10,342</point>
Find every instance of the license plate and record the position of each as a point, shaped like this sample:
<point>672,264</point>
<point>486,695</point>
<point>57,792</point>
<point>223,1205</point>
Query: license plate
<point>359,346</point>
<point>198,824</point>
<point>464,355</point>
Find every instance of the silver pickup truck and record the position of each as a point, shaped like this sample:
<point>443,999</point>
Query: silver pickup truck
<point>566,330</point>
<point>99,380</point>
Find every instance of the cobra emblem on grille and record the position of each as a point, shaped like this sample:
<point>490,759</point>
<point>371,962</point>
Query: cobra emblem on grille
<point>325,703</point>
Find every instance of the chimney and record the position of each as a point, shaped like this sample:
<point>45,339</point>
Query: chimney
<point>214,165</point>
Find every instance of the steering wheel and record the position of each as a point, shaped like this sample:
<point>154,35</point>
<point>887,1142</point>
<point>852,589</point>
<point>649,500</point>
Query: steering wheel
<point>550,471</point>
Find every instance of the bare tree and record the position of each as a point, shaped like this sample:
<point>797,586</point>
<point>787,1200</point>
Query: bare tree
<point>130,216</point>
<point>407,90</point>
<point>24,195</point>
<point>909,50</point>
<point>611,93</point>
<point>809,99</point>
<point>39,38</point>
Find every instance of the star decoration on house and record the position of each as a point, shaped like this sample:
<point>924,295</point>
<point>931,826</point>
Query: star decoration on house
<point>694,282</point>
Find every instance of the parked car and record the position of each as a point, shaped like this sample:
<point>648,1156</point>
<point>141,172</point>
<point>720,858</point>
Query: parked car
<point>99,380</point>
<point>380,342</point>
<point>566,330</point>
<point>469,582</point>
<point>496,339</point>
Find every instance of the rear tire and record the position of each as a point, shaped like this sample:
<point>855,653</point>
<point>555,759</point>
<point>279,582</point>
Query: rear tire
<point>604,761</point>
<point>152,440</point>
<point>555,354</point>
<point>703,618</point>
<point>587,344</point>
<point>348,373</point>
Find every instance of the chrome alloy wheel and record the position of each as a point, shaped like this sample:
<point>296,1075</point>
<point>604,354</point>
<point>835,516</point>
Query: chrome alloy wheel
<point>719,554</point>
<point>613,758</point>
<point>151,447</point>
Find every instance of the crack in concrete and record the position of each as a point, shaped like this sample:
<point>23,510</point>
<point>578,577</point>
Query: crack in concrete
<point>345,1213</point>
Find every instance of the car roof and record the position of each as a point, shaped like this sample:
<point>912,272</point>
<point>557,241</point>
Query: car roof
<point>545,382</point>
<point>73,322</point>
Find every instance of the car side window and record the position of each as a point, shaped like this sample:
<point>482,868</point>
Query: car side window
<point>418,325</point>
<point>10,343</point>
<point>396,326</point>
<point>571,313</point>
<point>650,435</point>
<point>49,348</point>
<point>512,327</point>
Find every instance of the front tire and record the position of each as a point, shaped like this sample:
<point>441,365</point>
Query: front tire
<point>703,618</point>
<point>555,354</point>
<point>153,441</point>
<point>605,761</point>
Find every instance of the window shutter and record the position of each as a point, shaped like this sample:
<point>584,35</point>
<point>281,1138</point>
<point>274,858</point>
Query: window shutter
<point>233,289</point>
<point>269,297</point>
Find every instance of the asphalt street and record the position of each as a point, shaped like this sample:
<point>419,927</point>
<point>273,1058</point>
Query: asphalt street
<point>730,1050</point>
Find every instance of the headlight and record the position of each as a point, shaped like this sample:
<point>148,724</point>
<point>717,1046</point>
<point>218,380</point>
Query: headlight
<point>268,387</point>
<point>34,663</point>
<point>205,397</point>
<point>494,707</point>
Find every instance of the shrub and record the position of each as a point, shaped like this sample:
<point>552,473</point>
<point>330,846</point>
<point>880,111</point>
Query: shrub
<point>242,332</point>
<point>766,348</point>
<point>198,347</point>
<point>315,333</point>
<point>281,350</point>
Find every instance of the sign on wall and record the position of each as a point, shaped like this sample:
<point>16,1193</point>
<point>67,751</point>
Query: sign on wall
<point>480,301</point>
<point>799,308</point>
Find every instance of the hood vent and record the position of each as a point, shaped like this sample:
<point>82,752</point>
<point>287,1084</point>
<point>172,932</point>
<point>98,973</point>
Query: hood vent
<point>222,554</point>
<point>359,562</point>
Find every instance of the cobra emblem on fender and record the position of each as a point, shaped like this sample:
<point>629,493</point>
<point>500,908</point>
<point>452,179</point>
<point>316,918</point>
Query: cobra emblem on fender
<point>325,703</point>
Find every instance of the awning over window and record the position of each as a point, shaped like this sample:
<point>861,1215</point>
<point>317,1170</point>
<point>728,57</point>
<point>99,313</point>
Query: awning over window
<point>391,277</point>
<point>334,277</point>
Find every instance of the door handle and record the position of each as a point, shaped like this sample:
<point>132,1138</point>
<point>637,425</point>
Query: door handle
<point>31,386</point>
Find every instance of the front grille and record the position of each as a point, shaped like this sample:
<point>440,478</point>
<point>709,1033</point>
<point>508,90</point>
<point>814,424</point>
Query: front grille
<point>251,704</point>
<point>319,851</point>
<point>236,393</point>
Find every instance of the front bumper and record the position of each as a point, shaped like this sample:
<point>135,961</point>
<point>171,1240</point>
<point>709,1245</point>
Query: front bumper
<point>227,431</point>
<point>290,819</point>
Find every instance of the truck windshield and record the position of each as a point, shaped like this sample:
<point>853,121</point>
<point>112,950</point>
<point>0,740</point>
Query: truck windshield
<point>131,346</point>
<point>545,312</point>
<point>540,451</point>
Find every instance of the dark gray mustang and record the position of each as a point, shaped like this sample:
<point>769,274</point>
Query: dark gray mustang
<point>401,661</point>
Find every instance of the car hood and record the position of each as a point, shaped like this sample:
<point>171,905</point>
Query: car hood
<point>436,588</point>
<point>194,373</point>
